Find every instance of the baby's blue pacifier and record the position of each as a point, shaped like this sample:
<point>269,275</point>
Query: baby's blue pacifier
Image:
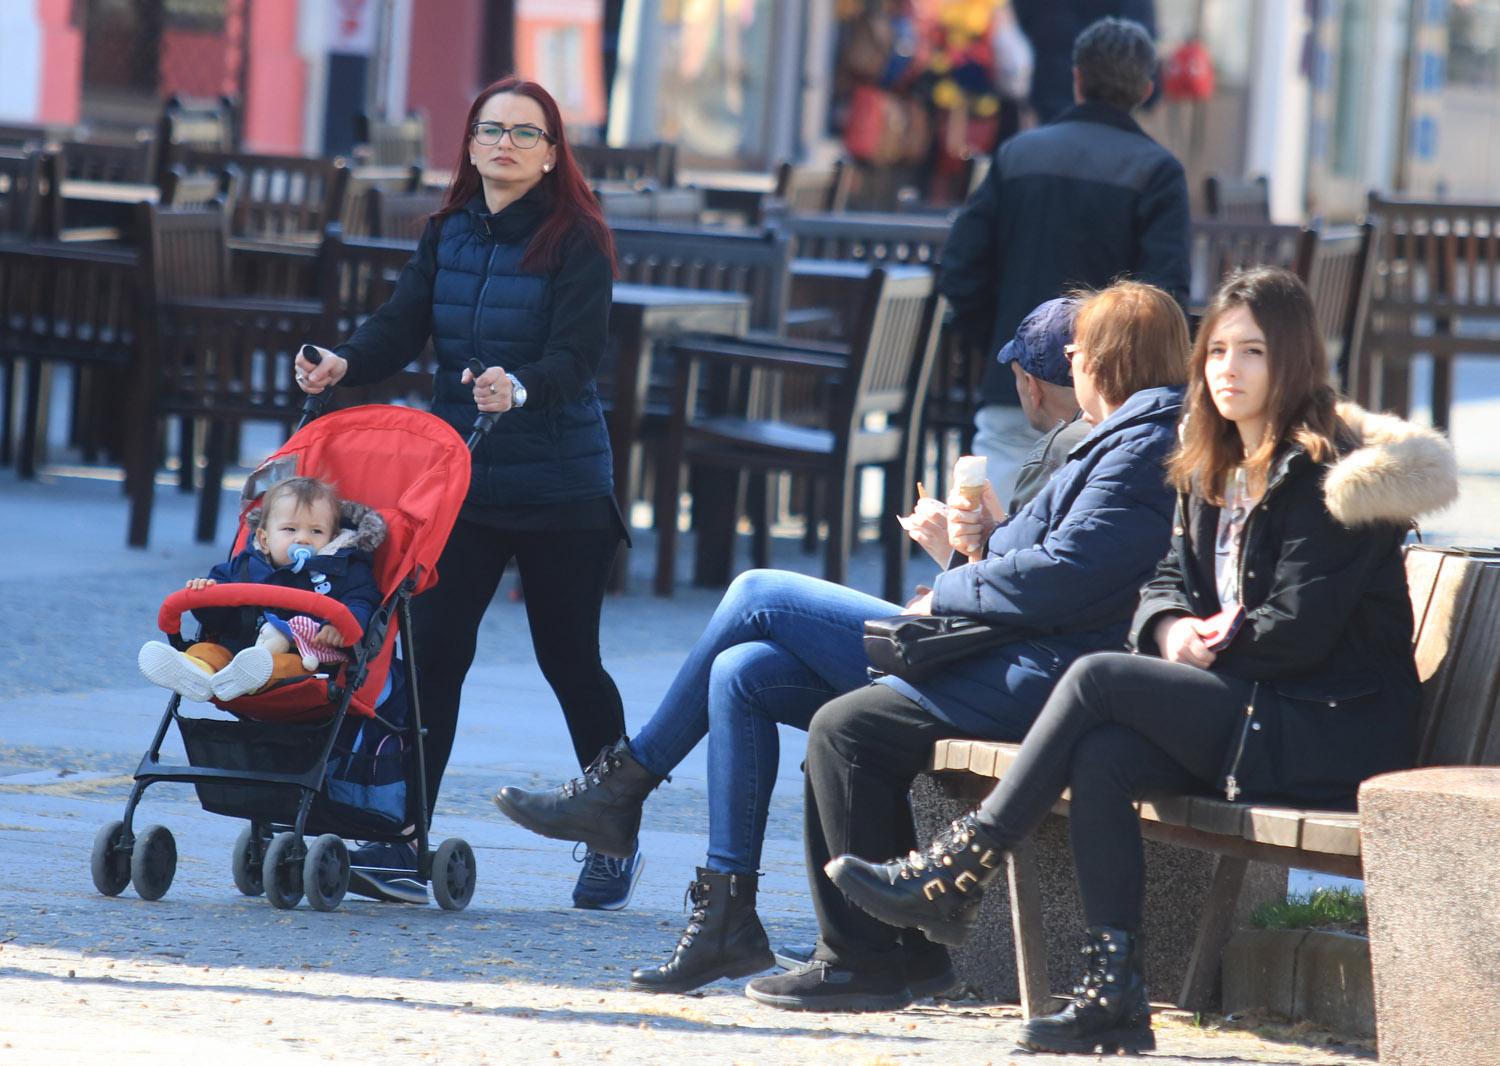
<point>300,556</point>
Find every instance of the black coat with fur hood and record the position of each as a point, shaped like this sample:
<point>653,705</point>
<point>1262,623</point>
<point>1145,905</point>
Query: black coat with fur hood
<point>1327,636</point>
<point>343,569</point>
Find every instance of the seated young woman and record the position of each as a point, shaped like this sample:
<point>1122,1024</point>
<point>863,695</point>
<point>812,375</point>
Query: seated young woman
<point>1063,574</point>
<point>1276,660</point>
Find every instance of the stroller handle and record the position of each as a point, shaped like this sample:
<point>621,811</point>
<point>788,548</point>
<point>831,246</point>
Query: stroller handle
<point>245,594</point>
<point>485,422</point>
<point>313,406</point>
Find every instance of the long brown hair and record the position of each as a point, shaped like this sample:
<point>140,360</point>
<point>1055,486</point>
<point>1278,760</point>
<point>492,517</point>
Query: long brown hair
<point>1300,406</point>
<point>1130,336</point>
<point>572,202</point>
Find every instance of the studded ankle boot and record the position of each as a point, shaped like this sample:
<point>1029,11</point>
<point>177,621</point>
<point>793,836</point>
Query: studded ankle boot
<point>602,808</point>
<point>723,938</point>
<point>936,891</point>
<point>1110,1012</point>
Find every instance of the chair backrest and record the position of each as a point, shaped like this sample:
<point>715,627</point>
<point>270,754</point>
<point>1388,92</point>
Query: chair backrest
<point>196,122</point>
<point>891,353</point>
<point>630,205</point>
<point>184,253</point>
<point>358,216</point>
<point>401,216</point>
<point>873,238</point>
<point>1456,606</point>
<point>814,190</point>
<point>381,143</point>
<point>20,192</point>
<point>756,264</point>
<point>1216,248</point>
<point>93,161</point>
<point>653,163</point>
<point>1237,201</point>
<point>1339,283</point>
<point>280,196</point>
<point>203,190</point>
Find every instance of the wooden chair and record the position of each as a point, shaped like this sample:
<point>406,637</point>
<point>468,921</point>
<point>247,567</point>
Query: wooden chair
<point>132,163</point>
<point>1216,248</point>
<point>204,355</point>
<point>382,143</point>
<point>358,216</point>
<point>1434,288</point>
<point>814,190</point>
<point>20,192</point>
<point>1237,201</point>
<point>1339,282</point>
<point>878,381</point>
<point>203,190</point>
<point>655,164</point>
<point>871,238</point>
<point>630,205</point>
<point>402,216</point>
<point>280,196</point>
<point>754,263</point>
<point>195,123</point>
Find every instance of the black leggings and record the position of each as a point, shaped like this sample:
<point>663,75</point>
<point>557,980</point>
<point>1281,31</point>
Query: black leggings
<point>1116,729</point>
<point>564,573</point>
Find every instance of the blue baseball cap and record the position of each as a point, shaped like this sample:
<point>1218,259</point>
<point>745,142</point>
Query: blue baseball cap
<point>1040,339</point>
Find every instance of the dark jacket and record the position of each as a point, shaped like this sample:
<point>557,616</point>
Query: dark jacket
<point>1083,201</point>
<point>342,570</point>
<point>1328,625</point>
<point>466,290</point>
<point>1064,572</point>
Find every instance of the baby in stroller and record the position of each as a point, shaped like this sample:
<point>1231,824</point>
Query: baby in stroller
<point>302,537</point>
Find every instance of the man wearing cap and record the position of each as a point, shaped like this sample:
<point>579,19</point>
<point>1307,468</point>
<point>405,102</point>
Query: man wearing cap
<point>1081,202</point>
<point>1044,379</point>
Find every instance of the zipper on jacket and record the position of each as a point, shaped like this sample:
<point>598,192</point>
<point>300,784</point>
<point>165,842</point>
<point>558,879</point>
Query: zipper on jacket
<point>1231,780</point>
<point>489,274</point>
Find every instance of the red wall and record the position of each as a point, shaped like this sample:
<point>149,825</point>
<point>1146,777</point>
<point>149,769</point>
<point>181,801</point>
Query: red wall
<point>444,75</point>
<point>192,63</point>
<point>62,62</point>
<point>276,82</point>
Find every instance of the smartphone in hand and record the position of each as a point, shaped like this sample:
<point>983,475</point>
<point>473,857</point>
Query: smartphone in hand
<point>1218,630</point>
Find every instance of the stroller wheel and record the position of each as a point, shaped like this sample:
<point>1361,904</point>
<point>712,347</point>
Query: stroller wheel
<point>281,871</point>
<point>153,862</point>
<point>249,851</point>
<point>453,874</point>
<point>110,864</point>
<point>325,872</point>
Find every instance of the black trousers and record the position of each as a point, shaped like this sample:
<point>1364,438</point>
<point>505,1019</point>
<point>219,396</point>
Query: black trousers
<point>1116,729</point>
<point>564,573</point>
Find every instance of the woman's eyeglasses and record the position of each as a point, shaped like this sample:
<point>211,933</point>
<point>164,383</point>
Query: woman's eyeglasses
<point>522,136</point>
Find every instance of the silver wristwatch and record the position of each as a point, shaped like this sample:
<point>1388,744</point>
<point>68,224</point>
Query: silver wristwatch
<point>518,391</point>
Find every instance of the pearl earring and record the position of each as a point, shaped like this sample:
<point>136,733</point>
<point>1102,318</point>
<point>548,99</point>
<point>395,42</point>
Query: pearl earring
<point>546,168</point>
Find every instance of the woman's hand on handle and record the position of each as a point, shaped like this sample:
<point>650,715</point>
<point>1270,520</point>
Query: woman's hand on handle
<point>493,392</point>
<point>313,378</point>
<point>1180,641</point>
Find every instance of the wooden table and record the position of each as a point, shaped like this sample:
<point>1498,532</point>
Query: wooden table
<point>641,316</point>
<point>738,193</point>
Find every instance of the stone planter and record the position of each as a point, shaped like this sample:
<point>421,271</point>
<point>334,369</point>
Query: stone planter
<point>1302,974</point>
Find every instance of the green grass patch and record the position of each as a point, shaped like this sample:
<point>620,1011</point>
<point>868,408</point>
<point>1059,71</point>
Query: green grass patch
<point>1340,909</point>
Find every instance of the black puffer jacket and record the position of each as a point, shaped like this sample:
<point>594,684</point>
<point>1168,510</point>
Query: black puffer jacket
<point>1328,629</point>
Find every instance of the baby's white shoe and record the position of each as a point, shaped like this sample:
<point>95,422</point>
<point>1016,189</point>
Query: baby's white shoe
<point>164,665</point>
<point>246,672</point>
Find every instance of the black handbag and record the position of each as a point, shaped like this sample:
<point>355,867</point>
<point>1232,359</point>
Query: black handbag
<point>911,646</point>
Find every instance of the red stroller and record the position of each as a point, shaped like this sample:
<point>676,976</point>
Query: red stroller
<point>331,755</point>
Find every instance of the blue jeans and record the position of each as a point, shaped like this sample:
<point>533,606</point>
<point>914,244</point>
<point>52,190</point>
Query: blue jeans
<point>778,647</point>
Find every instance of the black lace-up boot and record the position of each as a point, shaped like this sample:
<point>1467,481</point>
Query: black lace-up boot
<point>1110,1011</point>
<point>936,891</point>
<point>602,808</point>
<point>723,938</point>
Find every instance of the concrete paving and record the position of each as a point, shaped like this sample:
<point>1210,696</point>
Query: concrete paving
<point>519,976</point>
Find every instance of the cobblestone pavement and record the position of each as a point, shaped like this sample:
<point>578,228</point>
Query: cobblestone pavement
<point>519,976</point>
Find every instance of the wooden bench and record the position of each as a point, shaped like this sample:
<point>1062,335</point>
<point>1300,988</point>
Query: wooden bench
<point>1456,604</point>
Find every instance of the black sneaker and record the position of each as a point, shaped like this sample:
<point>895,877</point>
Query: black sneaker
<point>606,883</point>
<point>825,986</point>
<point>387,871</point>
<point>928,975</point>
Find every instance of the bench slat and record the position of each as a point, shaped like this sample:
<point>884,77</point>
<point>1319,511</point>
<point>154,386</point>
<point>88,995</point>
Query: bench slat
<point>1334,836</point>
<point>1280,826</point>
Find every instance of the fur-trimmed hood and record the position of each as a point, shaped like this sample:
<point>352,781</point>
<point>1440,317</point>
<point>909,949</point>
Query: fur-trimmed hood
<point>361,528</point>
<point>1399,471</point>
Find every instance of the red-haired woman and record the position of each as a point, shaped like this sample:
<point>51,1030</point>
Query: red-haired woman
<point>515,269</point>
<point>1291,514</point>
